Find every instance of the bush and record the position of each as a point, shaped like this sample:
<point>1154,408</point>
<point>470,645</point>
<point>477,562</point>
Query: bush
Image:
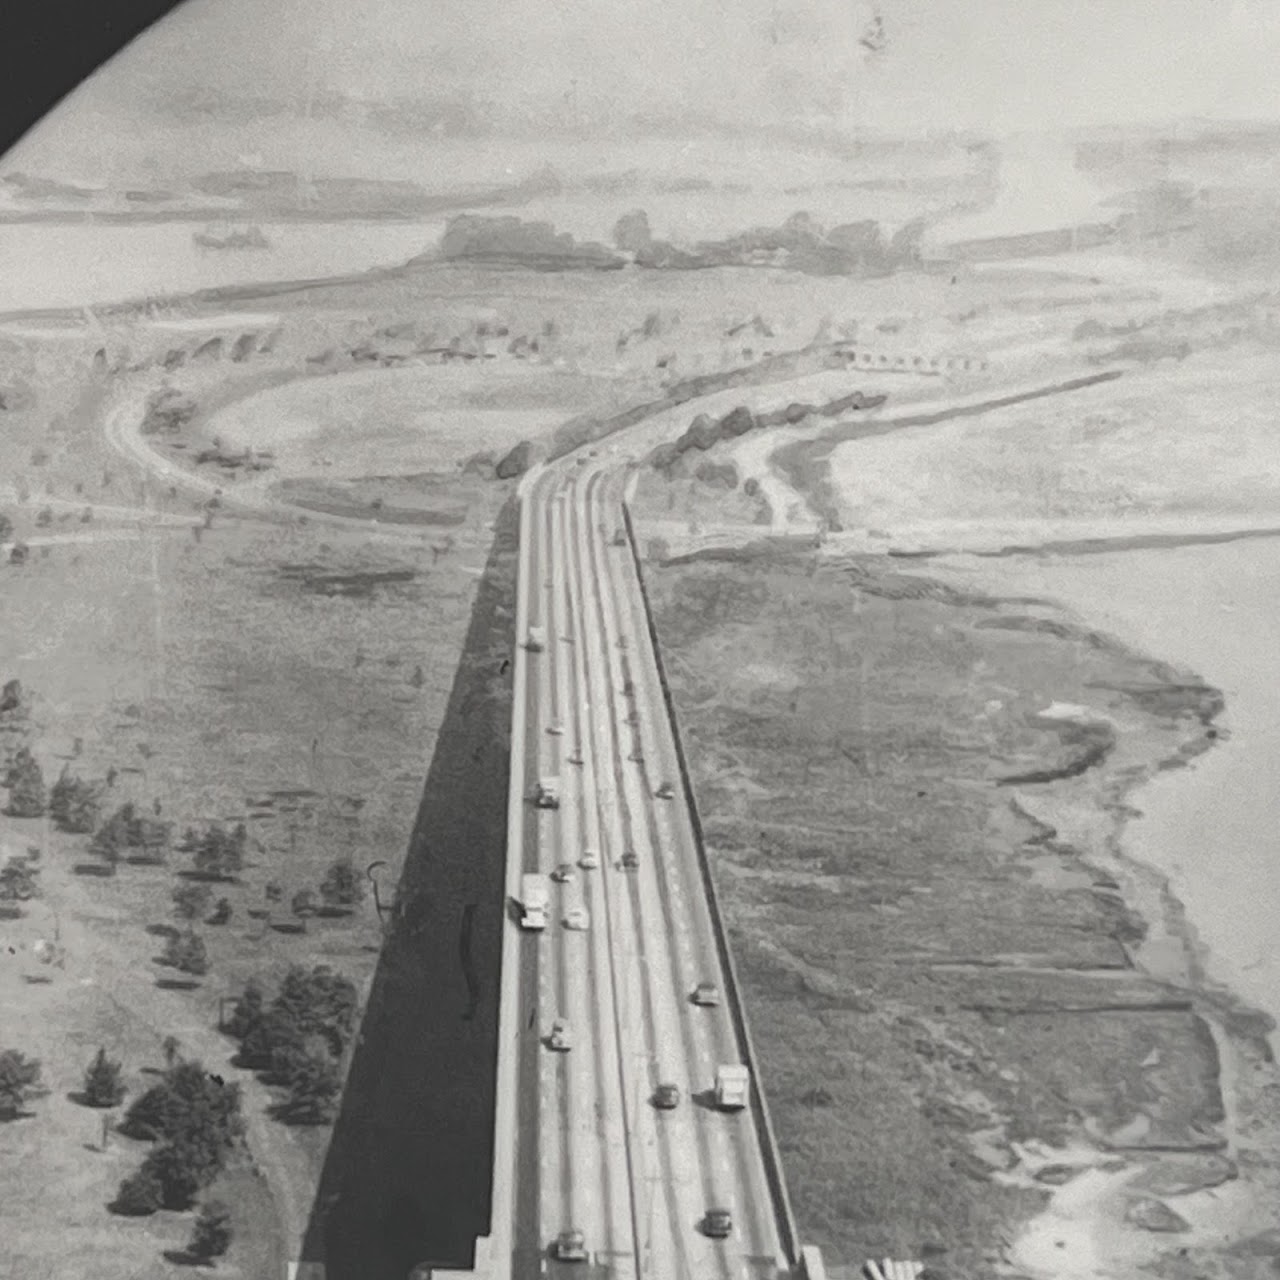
<point>212,1235</point>
<point>342,885</point>
<point>221,913</point>
<point>139,1195</point>
<point>102,1084</point>
<point>11,695</point>
<point>316,1006</point>
<point>19,1082</point>
<point>26,786</point>
<point>75,804</point>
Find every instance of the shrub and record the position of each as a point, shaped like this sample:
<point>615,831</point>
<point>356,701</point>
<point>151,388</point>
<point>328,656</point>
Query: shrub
<point>248,1012</point>
<point>19,1082</point>
<point>212,1235</point>
<point>11,695</point>
<point>221,913</point>
<point>139,1195</point>
<point>26,786</point>
<point>102,1084</point>
<point>128,829</point>
<point>183,1167</point>
<point>342,885</point>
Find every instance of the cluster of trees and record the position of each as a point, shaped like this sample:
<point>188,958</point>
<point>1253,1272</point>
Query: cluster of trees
<point>218,853</point>
<point>127,831</point>
<point>298,1039</point>
<point>194,1119</point>
<point>192,901</point>
<point>187,953</point>
<point>17,880</point>
<point>19,1082</point>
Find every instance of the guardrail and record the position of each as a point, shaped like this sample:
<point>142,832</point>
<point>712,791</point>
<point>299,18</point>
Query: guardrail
<point>787,1230</point>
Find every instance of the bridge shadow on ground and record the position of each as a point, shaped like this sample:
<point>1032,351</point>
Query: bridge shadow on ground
<point>407,1178</point>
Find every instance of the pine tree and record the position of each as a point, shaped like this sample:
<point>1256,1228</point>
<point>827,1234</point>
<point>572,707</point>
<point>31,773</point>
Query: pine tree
<point>102,1084</point>
<point>186,953</point>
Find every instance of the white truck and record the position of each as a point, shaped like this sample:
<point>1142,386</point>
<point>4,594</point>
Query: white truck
<point>535,900</point>
<point>546,793</point>
<point>732,1085</point>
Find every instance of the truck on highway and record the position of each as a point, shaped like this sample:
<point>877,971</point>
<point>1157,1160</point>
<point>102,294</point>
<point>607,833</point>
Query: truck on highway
<point>535,900</point>
<point>536,640</point>
<point>732,1085</point>
<point>546,793</point>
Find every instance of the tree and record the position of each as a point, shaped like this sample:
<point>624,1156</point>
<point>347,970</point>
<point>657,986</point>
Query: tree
<point>220,854</point>
<point>190,901</point>
<point>221,913</point>
<point>342,885</point>
<point>11,694</point>
<point>17,881</point>
<point>129,829</point>
<point>26,786</point>
<point>102,1084</point>
<point>314,1084</point>
<point>75,804</point>
<point>248,1012</point>
<point>189,1102</point>
<point>303,904</point>
<point>212,1235</point>
<point>186,952</point>
<point>139,1195</point>
<point>19,1082</point>
<point>183,1167</point>
<point>6,528</point>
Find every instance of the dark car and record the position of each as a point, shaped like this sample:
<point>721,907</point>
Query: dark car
<point>630,860</point>
<point>666,1097</point>
<point>706,993</point>
<point>665,791</point>
<point>570,1246</point>
<point>718,1224</point>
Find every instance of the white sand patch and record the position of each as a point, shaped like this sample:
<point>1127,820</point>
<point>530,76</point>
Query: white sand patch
<point>1196,439</point>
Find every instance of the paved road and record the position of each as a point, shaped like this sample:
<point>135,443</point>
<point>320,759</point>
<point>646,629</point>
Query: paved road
<point>635,1180</point>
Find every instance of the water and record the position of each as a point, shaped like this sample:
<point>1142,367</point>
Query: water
<point>58,265</point>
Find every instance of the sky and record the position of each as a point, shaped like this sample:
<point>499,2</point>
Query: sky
<point>986,65</point>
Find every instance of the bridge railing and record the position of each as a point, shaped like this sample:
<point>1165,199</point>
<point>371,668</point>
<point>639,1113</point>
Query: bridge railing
<point>774,1175</point>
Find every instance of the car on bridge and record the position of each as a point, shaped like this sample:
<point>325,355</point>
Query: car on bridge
<point>590,860</point>
<point>577,918</point>
<point>630,860</point>
<point>666,1097</point>
<point>575,756</point>
<point>563,873</point>
<point>706,994</point>
<point>570,1246</point>
<point>555,728</point>
<point>637,756</point>
<point>717,1224</point>
<point>560,1038</point>
<point>665,791</point>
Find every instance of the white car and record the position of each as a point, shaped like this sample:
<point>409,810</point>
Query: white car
<point>590,860</point>
<point>563,873</point>
<point>577,918</point>
<point>555,728</point>
<point>560,1039</point>
<point>575,756</point>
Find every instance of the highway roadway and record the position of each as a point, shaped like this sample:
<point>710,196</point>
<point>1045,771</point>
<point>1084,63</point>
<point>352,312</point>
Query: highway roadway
<point>593,1152</point>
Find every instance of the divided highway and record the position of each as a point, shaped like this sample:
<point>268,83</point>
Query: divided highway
<point>587,1150</point>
